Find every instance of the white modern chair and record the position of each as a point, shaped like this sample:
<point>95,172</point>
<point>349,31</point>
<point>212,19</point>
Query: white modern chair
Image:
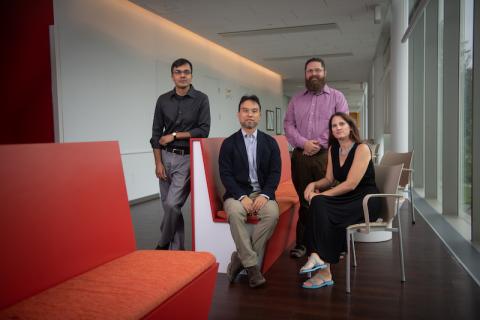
<point>406,181</point>
<point>387,179</point>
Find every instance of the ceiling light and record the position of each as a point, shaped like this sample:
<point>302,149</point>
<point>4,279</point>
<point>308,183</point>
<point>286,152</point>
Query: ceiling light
<point>269,31</point>
<point>377,16</point>
<point>324,55</point>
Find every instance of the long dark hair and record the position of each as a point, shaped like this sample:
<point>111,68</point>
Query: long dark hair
<point>354,133</point>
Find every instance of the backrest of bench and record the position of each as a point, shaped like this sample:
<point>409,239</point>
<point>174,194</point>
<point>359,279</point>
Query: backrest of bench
<point>210,151</point>
<point>285,155</point>
<point>64,210</point>
<point>216,190</point>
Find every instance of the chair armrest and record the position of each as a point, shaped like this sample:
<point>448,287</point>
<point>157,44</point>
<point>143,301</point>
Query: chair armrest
<point>366,214</point>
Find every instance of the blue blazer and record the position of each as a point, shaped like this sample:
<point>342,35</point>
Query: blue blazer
<point>233,165</point>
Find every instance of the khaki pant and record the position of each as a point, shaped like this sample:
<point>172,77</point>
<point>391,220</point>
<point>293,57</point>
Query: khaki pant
<point>250,249</point>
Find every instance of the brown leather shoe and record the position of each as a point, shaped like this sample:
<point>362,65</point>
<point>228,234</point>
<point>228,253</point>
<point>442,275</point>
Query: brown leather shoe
<point>255,277</point>
<point>234,267</point>
<point>298,252</point>
<point>165,247</point>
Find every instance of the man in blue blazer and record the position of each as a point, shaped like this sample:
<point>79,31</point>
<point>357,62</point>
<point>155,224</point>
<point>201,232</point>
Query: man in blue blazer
<point>250,168</point>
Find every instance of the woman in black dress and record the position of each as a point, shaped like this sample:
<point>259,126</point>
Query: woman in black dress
<point>333,209</point>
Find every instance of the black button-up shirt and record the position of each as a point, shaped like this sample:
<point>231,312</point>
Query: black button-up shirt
<point>174,113</point>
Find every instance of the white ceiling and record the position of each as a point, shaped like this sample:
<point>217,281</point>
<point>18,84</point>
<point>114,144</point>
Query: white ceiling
<point>356,34</point>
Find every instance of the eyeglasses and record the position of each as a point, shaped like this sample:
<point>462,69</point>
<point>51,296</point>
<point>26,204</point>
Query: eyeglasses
<point>179,72</point>
<point>253,111</point>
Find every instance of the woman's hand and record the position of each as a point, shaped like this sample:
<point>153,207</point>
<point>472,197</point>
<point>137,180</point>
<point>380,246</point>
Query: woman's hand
<point>311,195</point>
<point>309,189</point>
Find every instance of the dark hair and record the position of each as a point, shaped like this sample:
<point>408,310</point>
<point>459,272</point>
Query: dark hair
<point>252,97</point>
<point>354,133</point>
<point>315,59</point>
<point>180,62</point>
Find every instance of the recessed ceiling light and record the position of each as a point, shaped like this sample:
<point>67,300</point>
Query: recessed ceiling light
<point>324,55</point>
<point>269,31</point>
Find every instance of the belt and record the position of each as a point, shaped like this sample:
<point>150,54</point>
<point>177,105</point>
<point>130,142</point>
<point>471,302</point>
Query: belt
<point>322,150</point>
<point>177,150</point>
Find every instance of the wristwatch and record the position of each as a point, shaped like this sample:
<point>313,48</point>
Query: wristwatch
<point>174,135</point>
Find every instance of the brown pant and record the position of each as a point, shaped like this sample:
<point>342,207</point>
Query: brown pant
<point>306,169</point>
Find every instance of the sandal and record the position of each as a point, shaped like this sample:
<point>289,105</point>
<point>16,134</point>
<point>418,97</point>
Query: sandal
<point>324,283</point>
<point>313,264</point>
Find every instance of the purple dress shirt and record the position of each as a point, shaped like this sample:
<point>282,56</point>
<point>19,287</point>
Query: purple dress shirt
<point>308,115</point>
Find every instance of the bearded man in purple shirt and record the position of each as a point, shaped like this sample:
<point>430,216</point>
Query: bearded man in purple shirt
<point>306,128</point>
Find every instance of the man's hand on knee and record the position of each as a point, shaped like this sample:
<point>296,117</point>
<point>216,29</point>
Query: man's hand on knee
<point>258,204</point>
<point>247,203</point>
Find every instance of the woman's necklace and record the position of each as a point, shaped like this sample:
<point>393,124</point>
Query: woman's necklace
<point>345,152</point>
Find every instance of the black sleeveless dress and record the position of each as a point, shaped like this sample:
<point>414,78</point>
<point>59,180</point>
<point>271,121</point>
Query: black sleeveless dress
<point>330,215</point>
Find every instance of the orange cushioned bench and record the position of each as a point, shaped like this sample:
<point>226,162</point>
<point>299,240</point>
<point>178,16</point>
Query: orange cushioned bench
<point>284,234</point>
<point>67,243</point>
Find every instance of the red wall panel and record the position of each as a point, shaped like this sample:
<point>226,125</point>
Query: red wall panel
<point>26,114</point>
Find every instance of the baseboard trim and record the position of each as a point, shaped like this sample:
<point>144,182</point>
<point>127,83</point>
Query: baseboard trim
<point>144,199</point>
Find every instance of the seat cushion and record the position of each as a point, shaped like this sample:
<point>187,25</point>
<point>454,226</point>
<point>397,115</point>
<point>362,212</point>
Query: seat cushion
<point>362,227</point>
<point>125,288</point>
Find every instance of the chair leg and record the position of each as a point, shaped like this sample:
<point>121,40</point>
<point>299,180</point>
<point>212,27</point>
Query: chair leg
<point>347,260</point>
<point>412,210</point>
<point>400,241</point>
<point>410,188</point>
<point>353,249</point>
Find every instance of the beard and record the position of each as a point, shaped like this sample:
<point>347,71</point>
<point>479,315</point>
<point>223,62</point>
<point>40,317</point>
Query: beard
<point>315,84</point>
<point>249,124</point>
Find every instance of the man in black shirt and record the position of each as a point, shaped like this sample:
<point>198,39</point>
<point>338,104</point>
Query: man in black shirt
<point>180,114</point>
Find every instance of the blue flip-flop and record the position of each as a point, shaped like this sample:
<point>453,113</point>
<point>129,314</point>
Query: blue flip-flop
<point>314,268</point>
<point>325,283</point>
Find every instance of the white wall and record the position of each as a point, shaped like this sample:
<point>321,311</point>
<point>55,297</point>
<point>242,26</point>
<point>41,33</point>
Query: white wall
<point>112,61</point>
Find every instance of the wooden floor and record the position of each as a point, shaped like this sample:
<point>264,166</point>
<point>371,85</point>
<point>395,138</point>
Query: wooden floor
<point>437,286</point>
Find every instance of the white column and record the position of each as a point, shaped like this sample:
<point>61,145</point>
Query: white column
<point>379,101</point>
<point>399,77</point>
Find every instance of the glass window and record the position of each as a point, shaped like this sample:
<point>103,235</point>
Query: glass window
<point>465,106</point>
<point>440,104</point>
